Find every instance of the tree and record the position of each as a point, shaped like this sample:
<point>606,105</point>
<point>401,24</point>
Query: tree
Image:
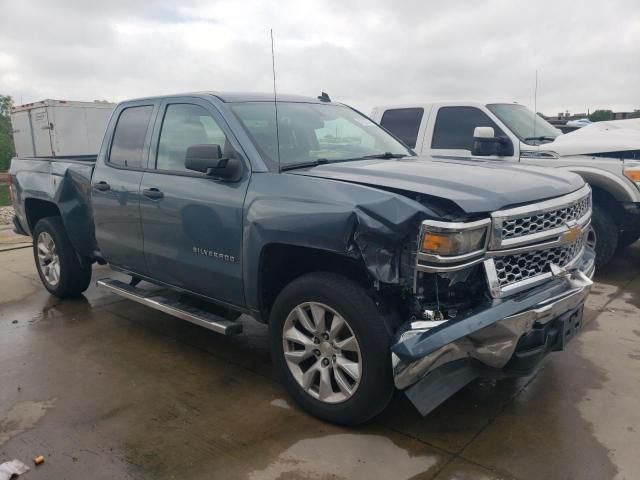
<point>601,115</point>
<point>7,149</point>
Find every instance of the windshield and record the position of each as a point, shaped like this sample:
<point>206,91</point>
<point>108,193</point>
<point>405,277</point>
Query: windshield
<point>314,133</point>
<point>520,121</point>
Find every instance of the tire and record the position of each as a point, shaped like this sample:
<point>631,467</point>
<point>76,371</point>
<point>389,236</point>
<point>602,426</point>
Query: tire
<point>606,232</point>
<point>627,238</point>
<point>371,393</point>
<point>52,248</point>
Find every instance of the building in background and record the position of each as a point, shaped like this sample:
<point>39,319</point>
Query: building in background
<point>568,122</point>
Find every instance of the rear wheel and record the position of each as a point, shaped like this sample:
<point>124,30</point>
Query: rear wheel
<point>331,348</point>
<point>62,272</point>
<point>606,235</point>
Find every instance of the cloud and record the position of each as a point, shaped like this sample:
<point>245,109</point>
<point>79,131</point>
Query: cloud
<point>363,52</point>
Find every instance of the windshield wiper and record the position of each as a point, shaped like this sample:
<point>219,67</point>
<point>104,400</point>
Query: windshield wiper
<point>551,139</point>
<point>324,161</point>
<point>385,155</point>
<point>313,163</point>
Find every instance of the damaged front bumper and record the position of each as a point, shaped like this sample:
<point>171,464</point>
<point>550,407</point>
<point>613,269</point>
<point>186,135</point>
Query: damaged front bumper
<point>507,336</point>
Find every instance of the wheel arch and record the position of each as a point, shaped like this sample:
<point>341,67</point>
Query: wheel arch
<point>80,235</point>
<point>281,263</point>
<point>608,190</point>
<point>37,209</point>
<point>618,188</point>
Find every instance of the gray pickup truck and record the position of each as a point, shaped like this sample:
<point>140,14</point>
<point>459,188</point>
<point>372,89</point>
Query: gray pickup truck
<point>375,270</point>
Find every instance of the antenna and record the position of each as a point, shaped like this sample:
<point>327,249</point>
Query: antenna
<point>275,97</point>
<point>535,104</point>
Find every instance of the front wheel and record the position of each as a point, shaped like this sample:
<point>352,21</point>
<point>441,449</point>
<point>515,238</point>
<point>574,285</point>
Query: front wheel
<point>62,272</point>
<point>606,235</point>
<point>331,348</point>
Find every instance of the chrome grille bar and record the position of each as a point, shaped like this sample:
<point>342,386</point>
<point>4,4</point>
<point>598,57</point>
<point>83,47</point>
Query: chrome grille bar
<point>526,241</point>
<point>540,221</point>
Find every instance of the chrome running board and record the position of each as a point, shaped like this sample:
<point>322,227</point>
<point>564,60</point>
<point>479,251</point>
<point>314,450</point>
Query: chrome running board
<point>157,301</point>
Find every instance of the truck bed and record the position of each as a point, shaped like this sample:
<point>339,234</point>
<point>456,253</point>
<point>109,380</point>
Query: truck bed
<point>42,183</point>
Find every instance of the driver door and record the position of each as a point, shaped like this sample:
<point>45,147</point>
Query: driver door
<point>192,223</point>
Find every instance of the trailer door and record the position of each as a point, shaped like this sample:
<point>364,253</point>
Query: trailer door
<point>22,134</point>
<point>41,132</point>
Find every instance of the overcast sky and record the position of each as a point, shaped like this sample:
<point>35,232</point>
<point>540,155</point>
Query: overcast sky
<point>363,52</point>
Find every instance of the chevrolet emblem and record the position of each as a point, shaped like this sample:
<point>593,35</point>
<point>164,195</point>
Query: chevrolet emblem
<point>572,234</point>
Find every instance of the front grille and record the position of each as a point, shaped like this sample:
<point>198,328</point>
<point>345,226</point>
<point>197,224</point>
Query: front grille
<point>515,268</point>
<point>527,225</point>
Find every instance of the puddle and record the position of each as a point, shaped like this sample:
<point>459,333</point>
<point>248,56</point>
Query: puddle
<point>345,456</point>
<point>22,417</point>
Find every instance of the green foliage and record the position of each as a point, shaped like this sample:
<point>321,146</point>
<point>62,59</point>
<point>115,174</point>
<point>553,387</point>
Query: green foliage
<point>7,150</point>
<point>601,115</point>
<point>4,194</point>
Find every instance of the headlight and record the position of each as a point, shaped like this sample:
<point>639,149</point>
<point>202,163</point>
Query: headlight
<point>450,242</point>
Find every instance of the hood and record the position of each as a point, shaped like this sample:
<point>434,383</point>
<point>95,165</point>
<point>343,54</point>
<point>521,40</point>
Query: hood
<point>484,186</point>
<point>599,137</point>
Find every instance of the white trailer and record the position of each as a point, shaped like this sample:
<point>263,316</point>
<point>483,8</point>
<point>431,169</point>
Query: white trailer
<point>59,128</point>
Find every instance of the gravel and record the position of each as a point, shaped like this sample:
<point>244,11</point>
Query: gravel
<point>6,214</point>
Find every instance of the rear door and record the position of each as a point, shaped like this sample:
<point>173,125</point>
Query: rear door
<point>115,195</point>
<point>192,223</point>
<point>404,123</point>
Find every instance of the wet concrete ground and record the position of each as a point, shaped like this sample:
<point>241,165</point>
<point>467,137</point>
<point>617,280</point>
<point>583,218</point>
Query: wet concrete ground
<point>106,388</point>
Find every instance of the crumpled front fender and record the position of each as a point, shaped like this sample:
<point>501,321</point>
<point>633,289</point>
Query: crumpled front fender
<point>355,221</point>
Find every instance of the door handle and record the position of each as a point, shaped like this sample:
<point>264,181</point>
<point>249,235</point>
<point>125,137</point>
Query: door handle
<point>102,186</point>
<point>152,193</point>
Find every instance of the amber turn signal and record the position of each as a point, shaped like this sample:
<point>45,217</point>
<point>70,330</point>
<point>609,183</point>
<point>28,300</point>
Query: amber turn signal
<point>633,175</point>
<point>436,243</point>
<point>453,239</point>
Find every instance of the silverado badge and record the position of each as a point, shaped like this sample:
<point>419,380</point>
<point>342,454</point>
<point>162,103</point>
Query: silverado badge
<point>211,253</point>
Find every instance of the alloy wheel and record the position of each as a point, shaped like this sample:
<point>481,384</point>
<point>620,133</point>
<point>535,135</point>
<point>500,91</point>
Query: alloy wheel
<point>322,352</point>
<point>48,259</point>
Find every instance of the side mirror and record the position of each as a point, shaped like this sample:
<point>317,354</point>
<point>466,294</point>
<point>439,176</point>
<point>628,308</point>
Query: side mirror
<point>485,143</point>
<point>208,159</point>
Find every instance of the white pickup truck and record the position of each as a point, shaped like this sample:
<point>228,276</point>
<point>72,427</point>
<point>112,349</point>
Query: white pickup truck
<point>605,154</point>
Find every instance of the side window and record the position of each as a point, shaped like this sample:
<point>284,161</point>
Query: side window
<point>185,125</point>
<point>455,125</point>
<point>127,146</point>
<point>404,123</point>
